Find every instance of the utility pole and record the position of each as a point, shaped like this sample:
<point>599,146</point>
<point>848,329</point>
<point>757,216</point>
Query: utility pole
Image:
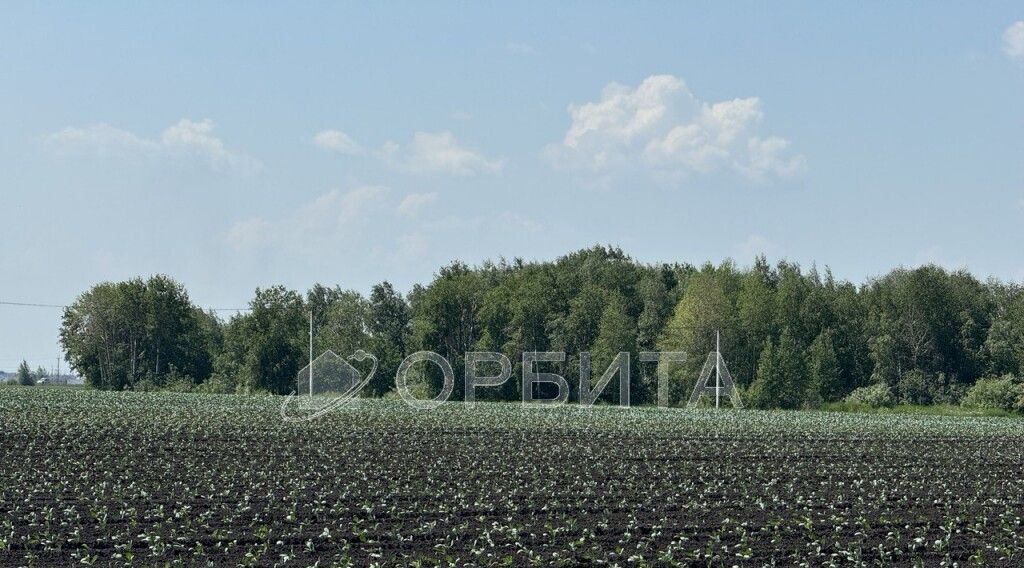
<point>311,353</point>
<point>715,364</point>
<point>718,367</point>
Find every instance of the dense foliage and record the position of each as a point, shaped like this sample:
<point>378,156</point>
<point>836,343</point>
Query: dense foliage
<point>1004,393</point>
<point>792,337</point>
<point>24,376</point>
<point>168,479</point>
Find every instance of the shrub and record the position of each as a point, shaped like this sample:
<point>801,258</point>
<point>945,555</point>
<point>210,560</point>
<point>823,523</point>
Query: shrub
<point>875,396</point>
<point>216,384</point>
<point>178,384</point>
<point>1003,393</point>
<point>145,385</point>
<point>952,394</point>
<point>917,387</point>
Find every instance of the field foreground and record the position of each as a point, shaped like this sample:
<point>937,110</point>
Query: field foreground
<point>144,479</point>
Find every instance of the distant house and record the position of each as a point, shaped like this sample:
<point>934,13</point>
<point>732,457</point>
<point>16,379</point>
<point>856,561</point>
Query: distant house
<point>60,380</point>
<point>52,380</point>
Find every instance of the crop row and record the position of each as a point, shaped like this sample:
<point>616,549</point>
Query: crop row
<point>161,478</point>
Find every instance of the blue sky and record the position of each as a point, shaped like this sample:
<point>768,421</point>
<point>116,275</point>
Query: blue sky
<point>236,145</point>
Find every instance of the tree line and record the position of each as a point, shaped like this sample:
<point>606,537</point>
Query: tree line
<point>26,377</point>
<point>792,337</point>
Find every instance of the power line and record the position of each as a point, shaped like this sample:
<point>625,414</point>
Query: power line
<point>29,305</point>
<point>62,306</point>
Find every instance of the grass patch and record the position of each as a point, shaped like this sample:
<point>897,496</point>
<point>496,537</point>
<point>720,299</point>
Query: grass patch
<point>917,409</point>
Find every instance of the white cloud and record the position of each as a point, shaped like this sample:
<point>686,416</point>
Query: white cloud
<point>519,48</point>
<point>389,150</point>
<point>661,128</point>
<point>769,157</point>
<point>337,141</point>
<point>414,202</point>
<point>368,225</point>
<point>519,223</point>
<point>186,140</point>
<point>328,221</point>
<point>439,152</point>
<point>102,139</point>
<point>411,245</point>
<point>427,153</point>
<point>248,233</point>
<point>197,138</point>
<point>337,209</point>
<point>1013,40</point>
<point>505,222</point>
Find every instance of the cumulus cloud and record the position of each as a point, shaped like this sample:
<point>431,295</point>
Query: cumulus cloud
<point>411,245</point>
<point>102,139</point>
<point>337,209</point>
<point>342,226</point>
<point>505,222</point>
<point>428,153</point>
<point>187,140</point>
<point>337,141</point>
<point>660,127</point>
<point>440,153</point>
<point>327,221</point>
<point>1013,41</point>
<point>414,202</point>
<point>248,233</point>
<point>197,138</point>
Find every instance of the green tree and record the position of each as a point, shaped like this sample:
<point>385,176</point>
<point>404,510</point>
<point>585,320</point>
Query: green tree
<point>849,337</point>
<point>346,325</point>
<point>576,330</point>
<point>25,377</point>
<point>782,376</point>
<point>791,294</point>
<point>824,371</point>
<point>756,313</point>
<point>704,309</point>
<point>346,330</point>
<point>99,335</point>
<point>515,316</point>
<point>444,319</point>
<point>1004,345</point>
<point>930,321</point>
<point>116,334</point>
<point>927,333</point>
<point>616,334</point>
<point>657,308</point>
<point>388,325</point>
<point>175,334</point>
<point>265,348</point>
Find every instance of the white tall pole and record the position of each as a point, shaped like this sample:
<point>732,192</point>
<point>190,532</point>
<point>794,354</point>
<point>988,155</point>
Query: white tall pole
<point>311,353</point>
<point>718,367</point>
